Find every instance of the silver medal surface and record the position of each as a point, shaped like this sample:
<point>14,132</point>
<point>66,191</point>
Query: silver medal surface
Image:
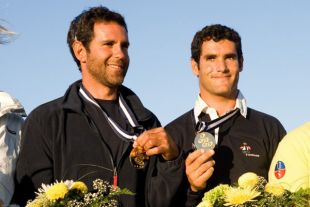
<point>204,140</point>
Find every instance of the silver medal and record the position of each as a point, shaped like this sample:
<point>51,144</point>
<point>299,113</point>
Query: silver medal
<point>204,140</point>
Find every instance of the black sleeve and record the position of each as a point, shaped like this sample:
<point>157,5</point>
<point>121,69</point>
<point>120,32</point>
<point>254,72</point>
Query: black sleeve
<point>182,132</point>
<point>34,165</point>
<point>164,178</point>
<point>193,198</point>
<point>276,134</point>
<point>164,182</point>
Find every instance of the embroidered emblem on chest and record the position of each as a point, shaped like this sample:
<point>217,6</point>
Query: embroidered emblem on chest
<point>246,149</point>
<point>279,170</point>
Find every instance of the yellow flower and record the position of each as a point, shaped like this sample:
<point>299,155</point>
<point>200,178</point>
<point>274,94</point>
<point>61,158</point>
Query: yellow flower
<point>248,180</point>
<point>216,194</point>
<point>56,191</point>
<point>237,196</point>
<point>205,204</point>
<point>34,204</point>
<point>274,189</point>
<point>40,201</point>
<point>80,186</point>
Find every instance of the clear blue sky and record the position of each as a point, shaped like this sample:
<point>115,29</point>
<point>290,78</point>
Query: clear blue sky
<point>37,66</point>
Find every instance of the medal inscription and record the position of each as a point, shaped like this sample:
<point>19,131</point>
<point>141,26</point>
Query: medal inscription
<point>204,140</point>
<point>138,158</point>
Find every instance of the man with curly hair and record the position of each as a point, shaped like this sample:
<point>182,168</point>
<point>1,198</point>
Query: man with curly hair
<point>243,139</point>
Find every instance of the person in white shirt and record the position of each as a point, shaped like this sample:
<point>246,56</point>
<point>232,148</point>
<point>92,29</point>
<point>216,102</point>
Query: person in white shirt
<point>11,120</point>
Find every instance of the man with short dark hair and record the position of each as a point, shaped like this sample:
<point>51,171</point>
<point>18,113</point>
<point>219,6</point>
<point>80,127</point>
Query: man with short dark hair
<point>231,137</point>
<point>90,132</point>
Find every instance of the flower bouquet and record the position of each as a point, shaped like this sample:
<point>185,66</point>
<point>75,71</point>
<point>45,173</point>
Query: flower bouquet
<point>75,194</point>
<point>254,191</point>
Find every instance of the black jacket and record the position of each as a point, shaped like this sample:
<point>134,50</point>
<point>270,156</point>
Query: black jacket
<point>244,145</point>
<point>62,140</point>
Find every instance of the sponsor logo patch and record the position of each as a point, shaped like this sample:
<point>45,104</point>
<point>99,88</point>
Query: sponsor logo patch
<point>247,150</point>
<point>279,170</point>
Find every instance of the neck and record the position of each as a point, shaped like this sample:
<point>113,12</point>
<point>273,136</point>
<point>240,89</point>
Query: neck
<point>221,104</point>
<point>100,91</point>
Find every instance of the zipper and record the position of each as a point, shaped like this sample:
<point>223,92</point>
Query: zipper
<point>115,166</point>
<point>92,125</point>
<point>115,180</point>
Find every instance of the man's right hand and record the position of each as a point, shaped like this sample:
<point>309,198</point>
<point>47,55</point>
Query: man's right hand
<point>156,141</point>
<point>199,168</point>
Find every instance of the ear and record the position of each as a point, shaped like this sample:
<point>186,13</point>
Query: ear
<point>195,67</point>
<point>240,64</point>
<point>79,51</point>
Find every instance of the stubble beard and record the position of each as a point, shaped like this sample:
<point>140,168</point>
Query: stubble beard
<point>112,81</point>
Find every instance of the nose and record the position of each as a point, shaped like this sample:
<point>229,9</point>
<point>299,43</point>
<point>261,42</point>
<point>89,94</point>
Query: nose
<point>120,52</point>
<point>221,65</point>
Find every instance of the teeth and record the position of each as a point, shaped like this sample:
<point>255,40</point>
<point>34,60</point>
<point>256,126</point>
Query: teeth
<point>116,66</point>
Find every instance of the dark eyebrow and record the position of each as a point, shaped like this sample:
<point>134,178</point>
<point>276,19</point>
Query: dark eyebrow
<point>231,55</point>
<point>107,41</point>
<point>124,44</point>
<point>210,56</point>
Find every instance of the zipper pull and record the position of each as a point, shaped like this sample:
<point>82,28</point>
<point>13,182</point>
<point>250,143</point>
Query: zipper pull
<point>115,178</point>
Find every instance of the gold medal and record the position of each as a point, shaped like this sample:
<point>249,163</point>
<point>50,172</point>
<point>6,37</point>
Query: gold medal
<point>204,140</point>
<point>138,158</point>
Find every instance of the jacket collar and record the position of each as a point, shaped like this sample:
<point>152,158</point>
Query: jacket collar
<point>72,101</point>
<point>9,104</point>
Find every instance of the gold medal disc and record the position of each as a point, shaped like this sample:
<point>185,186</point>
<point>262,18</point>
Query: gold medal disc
<point>138,158</point>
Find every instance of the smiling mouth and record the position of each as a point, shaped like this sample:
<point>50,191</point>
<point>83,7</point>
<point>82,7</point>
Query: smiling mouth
<point>221,77</point>
<point>119,67</point>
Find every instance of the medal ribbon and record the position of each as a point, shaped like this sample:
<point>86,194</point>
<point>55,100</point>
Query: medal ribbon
<point>204,126</point>
<point>127,111</point>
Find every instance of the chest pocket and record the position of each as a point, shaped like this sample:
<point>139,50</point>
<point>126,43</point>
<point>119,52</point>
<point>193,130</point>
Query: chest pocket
<point>10,126</point>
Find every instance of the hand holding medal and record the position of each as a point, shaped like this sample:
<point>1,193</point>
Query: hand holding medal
<point>152,142</point>
<point>138,157</point>
<point>199,164</point>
